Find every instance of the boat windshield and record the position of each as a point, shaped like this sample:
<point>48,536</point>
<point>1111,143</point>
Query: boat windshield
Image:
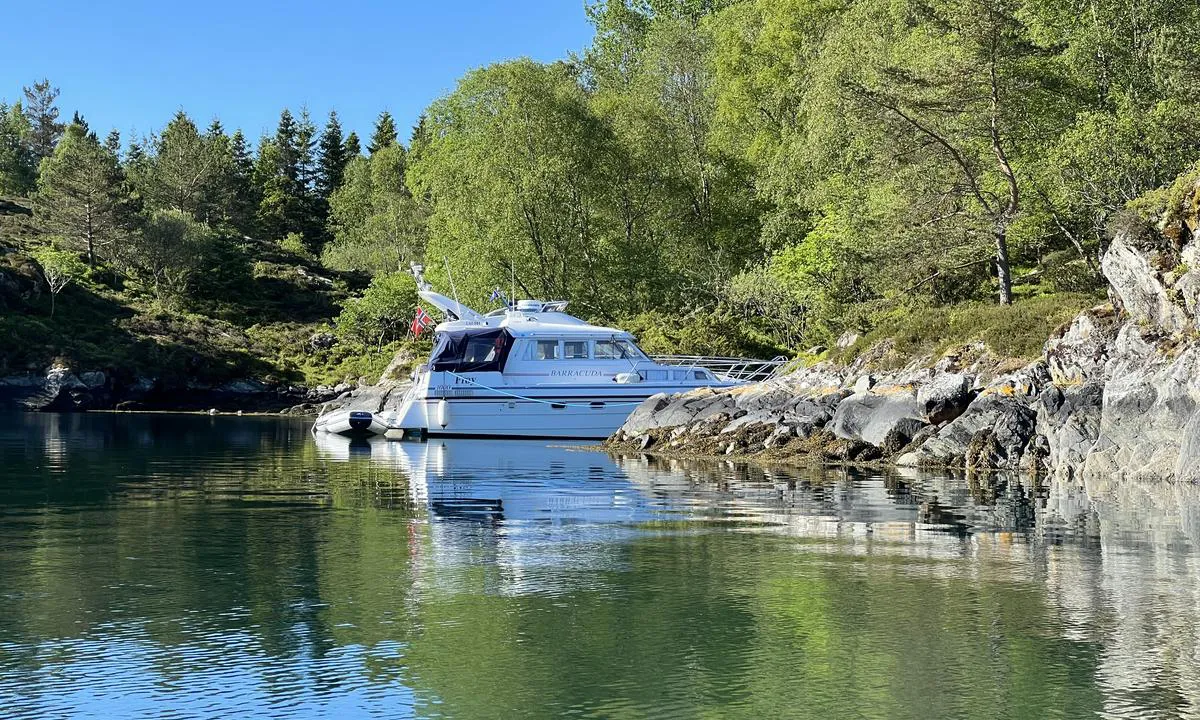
<point>473,351</point>
<point>618,350</point>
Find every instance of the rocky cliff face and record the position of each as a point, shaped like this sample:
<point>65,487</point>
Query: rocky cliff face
<point>1117,393</point>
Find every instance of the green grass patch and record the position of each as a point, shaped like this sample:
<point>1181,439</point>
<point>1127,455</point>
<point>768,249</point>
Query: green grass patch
<point>1018,331</point>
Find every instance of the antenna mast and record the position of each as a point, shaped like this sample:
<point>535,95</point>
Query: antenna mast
<point>450,275</point>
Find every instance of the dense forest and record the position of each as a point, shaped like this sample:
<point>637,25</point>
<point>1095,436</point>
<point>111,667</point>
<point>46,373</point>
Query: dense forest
<point>720,176</point>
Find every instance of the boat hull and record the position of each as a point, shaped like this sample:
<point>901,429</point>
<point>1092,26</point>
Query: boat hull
<point>515,418</point>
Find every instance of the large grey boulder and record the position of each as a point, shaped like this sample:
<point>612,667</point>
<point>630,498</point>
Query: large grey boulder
<point>945,396</point>
<point>993,432</point>
<point>643,417</point>
<point>1004,444</point>
<point>871,416</point>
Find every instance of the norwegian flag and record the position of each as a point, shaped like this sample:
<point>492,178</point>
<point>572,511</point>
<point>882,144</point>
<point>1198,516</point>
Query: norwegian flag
<point>420,322</point>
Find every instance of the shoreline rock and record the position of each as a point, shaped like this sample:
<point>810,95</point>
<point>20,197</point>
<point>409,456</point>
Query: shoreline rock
<point>1115,394</point>
<point>61,389</point>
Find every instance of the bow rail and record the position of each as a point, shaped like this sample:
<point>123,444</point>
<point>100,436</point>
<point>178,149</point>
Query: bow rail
<point>728,368</point>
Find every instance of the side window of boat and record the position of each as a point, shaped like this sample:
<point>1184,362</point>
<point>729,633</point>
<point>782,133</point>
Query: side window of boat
<point>575,350</point>
<point>607,350</point>
<point>547,350</point>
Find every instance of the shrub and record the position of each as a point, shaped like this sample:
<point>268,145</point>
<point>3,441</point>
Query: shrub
<point>382,315</point>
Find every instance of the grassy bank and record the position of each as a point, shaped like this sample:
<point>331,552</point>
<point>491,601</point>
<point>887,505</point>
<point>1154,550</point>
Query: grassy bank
<point>265,312</point>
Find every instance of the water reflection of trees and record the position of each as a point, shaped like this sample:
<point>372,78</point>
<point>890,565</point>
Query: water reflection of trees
<point>894,594</point>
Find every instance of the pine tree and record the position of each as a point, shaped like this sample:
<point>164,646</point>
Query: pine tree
<point>43,119</point>
<point>384,135</point>
<point>333,158</point>
<point>353,147</point>
<point>80,194</point>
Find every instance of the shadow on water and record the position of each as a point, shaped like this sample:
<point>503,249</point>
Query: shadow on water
<point>230,566</point>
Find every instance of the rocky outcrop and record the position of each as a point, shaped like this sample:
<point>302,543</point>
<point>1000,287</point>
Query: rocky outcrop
<point>1115,394</point>
<point>61,389</point>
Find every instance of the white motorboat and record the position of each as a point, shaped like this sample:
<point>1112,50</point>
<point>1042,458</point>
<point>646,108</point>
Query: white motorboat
<point>527,370</point>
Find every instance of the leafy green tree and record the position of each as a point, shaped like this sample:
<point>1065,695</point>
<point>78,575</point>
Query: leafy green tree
<point>168,253</point>
<point>59,269</point>
<point>384,135</point>
<point>512,174</point>
<point>378,227</point>
<point>80,195</point>
<point>184,171</point>
<point>18,171</point>
<point>42,114</point>
<point>383,313</point>
<point>1132,78</point>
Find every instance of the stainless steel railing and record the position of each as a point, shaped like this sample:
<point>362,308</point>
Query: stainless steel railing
<point>726,368</point>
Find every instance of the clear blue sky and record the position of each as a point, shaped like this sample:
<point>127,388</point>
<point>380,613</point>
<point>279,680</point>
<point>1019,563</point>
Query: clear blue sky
<point>131,65</point>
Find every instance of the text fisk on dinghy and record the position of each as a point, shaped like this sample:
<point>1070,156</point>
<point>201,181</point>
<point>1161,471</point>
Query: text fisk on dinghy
<point>532,370</point>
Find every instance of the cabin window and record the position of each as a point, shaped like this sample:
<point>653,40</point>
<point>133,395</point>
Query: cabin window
<point>617,350</point>
<point>575,350</point>
<point>472,351</point>
<point>481,350</point>
<point>547,350</point>
<point>656,375</point>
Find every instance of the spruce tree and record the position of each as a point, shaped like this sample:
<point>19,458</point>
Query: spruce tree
<point>333,158</point>
<point>80,195</point>
<point>353,147</point>
<point>384,135</point>
<point>287,156</point>
<point>306,141</point>
<point>42,113</point>
<point>112,142</point>
<point>244,197</point>
<point>283,207</point>
<point>77,119</point>
<point>18,173</point>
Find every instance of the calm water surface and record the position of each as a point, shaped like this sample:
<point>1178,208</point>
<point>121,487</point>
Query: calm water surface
<point>185,566</point>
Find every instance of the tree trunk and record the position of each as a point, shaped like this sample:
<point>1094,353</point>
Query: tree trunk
<point>91,241</point>
<point>1003,269</point>
<point>53,297</point>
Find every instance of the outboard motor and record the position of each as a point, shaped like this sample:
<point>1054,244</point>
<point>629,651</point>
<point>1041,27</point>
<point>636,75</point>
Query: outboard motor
<point>360,421</point>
